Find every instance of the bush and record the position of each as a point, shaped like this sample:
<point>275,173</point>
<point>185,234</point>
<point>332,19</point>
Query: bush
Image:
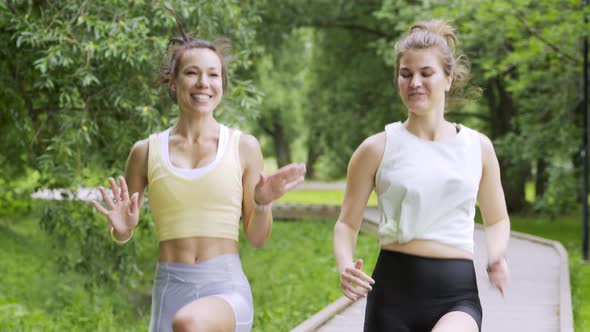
<point>84,233</point>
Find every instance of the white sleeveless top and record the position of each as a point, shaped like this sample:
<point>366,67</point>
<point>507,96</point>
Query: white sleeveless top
<point>427,189</point>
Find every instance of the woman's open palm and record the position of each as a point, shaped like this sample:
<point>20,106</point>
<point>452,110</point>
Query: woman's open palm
<point>123,211</point>
<point>276,185</point>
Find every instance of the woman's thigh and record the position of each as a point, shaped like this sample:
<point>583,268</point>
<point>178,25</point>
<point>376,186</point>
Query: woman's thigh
<point>456,321</point>
<point>181,289</point>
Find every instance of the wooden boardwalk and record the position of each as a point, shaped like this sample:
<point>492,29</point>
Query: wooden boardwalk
<point>538,297</point>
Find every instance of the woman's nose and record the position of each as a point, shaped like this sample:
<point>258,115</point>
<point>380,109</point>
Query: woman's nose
<point>202,81</point>
<point>416,81</point>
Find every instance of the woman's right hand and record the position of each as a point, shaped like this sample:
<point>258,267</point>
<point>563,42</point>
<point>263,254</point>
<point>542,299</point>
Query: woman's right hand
<point>354,282</point>
<point>123,213</point>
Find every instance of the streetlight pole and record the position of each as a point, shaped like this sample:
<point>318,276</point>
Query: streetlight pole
<point>585,152</point>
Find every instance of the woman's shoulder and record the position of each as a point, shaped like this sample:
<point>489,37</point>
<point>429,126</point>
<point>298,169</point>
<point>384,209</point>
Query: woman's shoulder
<point>484,140</point>
<point>139,150</point>
<point>375,141</point>
<point>373,146</point>
<point>248,145</point>
<point>141,146</point>
<point>247,140</point>
<point>486,145</point>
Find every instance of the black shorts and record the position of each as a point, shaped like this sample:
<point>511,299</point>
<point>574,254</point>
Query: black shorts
<point>411,293</point>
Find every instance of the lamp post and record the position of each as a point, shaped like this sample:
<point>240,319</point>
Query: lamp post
<point>585,144</point>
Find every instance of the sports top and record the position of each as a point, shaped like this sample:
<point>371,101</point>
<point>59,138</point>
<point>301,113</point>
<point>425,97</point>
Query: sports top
<point>428,189</point>
<point>202,202</point>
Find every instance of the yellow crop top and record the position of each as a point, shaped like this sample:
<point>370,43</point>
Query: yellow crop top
<point>206,206</point>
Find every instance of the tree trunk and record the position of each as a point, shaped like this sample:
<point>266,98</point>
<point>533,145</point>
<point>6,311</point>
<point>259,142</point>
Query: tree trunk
<point>280,143</point>
<point>502,113</point>
<point>314,151</point>
<point>272,126</point>
<point>541,178</point>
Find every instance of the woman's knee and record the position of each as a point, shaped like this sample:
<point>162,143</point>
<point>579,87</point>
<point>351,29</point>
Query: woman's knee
<point>185,320</point>
<point>456,321</point>
<point>211,315</point>
<point>193,323</point>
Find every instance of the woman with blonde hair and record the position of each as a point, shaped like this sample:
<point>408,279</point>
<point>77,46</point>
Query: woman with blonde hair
<point>428,174</point>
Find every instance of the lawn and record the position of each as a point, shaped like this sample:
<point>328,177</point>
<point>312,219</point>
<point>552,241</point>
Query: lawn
<point>35,295</point>
<point>328,197</point>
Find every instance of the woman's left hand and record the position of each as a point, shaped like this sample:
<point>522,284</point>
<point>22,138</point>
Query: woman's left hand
<point>499,273</point>
<point>277,184</point>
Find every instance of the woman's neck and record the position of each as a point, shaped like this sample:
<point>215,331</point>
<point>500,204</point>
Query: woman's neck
<point>195,126</point>
<point>432,127</point>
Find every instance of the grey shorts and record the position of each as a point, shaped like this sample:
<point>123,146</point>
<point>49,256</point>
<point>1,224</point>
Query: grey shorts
<point>177,285</point>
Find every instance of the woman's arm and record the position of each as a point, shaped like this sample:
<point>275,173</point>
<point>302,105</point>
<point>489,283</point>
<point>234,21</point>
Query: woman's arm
<point>360,181</point>
<point>493,209</point>
<point>260,190</point>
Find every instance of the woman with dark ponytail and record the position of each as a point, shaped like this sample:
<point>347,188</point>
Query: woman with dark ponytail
<point>202,177</point>
<point>427,173</point>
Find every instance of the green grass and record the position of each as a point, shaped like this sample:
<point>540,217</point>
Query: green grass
<point>295,275</point>
<point>36,296</point>
<point>328,197</point>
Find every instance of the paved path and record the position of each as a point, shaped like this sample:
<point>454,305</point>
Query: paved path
<point>537,299</point>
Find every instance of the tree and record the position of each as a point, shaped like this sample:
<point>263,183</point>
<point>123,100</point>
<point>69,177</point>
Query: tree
<point>85,70</point>
<point>281,73</point>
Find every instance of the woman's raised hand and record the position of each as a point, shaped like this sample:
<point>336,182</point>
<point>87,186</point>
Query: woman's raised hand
<point>123,211</point>
<point>277,184</point>
<point>354,282</point>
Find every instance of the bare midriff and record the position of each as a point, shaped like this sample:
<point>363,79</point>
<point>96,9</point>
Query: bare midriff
<point>427,248</point>
<point>195,249</point>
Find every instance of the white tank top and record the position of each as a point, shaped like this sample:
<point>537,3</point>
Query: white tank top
<point>427,189</point>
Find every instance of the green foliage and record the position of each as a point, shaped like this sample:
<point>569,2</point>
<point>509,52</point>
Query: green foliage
<point>562,196</point>
<point>15,193</point>
<point>529,68</point>
<point>281,75</point>
<point>36,295</point>
<point>83,243</point>
<point>85,70</point>
<point>535,56</point>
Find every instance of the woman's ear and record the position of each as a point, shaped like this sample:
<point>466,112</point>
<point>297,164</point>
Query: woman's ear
<point>450,79</point>
<point>172,84</point>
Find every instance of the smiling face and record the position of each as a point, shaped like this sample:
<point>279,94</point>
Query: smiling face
<point>422,81</point>
<point>198,84</point>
